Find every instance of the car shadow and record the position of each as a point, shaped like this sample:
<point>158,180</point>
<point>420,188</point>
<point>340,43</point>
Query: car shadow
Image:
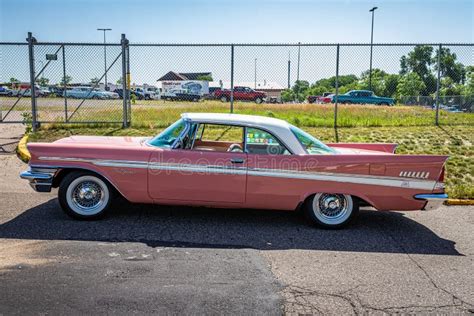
<point>166,226</point>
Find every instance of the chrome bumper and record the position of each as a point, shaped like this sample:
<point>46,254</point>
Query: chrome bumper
<point>41,180</point>
<point>433,201</point>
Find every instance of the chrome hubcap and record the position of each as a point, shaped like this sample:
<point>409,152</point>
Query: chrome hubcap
<point>332,208</point>
<point>87,194</point>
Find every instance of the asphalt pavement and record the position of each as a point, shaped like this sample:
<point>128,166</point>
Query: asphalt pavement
<point>182,260</point>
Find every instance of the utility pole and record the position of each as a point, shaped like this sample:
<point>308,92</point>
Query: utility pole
<point>255,77</point>
<point>105,56</point>
<point>289,68</point>
<point>371,46</point>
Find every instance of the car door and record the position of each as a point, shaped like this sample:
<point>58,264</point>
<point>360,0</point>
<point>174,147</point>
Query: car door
<point>267,183</point>
<point>200,170</point>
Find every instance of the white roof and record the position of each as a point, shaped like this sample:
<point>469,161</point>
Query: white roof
<point>277,127</point>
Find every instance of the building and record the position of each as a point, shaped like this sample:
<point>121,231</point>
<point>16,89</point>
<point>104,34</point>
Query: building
<point>182,76</point>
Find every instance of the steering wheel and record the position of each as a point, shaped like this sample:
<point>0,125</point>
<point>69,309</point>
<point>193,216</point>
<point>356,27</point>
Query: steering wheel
<point>235,148</point>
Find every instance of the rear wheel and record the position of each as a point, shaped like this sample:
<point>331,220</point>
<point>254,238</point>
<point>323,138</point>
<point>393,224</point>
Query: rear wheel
<point>331,210</point>
<point>84,195</point>
<point>258,100</point>
<point>224,99</point>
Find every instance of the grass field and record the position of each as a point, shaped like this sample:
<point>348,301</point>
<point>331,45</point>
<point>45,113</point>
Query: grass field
<point>455,141</point>
<point>159,113</point>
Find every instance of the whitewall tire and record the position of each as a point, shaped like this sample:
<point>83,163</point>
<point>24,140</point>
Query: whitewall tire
<point>331,210</point>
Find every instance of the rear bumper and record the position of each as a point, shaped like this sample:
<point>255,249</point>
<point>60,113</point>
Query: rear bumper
<point>433,201</point>
<point>41,180</point>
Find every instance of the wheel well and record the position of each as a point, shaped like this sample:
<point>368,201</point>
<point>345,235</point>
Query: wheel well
<point>360,201</point>
<point>59,176</point>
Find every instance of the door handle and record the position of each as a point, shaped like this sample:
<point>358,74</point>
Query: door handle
<point>237,160</point>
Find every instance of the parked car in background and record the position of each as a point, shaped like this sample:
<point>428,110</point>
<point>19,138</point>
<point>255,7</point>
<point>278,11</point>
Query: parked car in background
<point>237,161</point>
<point>363,97</point>
<point>132,93</point>
<point>57,91</point>
<point>90,93</point>
<point>180,95</point>
<point>147,93</point>
<point>241,94</point>
<point>325,98</point>
<point>4,91</point>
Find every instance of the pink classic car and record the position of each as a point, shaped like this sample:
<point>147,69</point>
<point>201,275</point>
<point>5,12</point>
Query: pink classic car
<point>235,161</point>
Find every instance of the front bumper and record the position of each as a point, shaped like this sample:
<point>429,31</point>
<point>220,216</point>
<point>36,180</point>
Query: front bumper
<point>433,201</point>
<point>41,180</point>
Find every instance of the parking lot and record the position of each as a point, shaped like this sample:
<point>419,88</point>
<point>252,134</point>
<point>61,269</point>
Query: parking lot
<point>174,260</point>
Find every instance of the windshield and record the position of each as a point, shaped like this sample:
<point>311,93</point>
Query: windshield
<point>168,136</point>
<point>311,144</point>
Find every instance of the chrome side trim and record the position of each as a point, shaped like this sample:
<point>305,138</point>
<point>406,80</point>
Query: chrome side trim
<point>433,201</point>
<point>409,183</point>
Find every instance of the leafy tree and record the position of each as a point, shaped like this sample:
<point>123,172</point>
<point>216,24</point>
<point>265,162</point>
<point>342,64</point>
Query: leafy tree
<point>469,84</point>
<point>410,84</point>
<point>419,61</point>
<point>287,95</point>
<point>449,67</point>
<point>390,85</point>
<point>119,81</point>
<point>14,80</point>
<point>378,77</point>
<point>300,89</point>
<point>449,87</point>
<point>205,78</point>
<point>66,80</point>
<point>42,81</point>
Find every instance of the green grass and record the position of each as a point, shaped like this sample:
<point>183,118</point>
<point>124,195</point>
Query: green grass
<point>455,141</point>
<point>146,114</point>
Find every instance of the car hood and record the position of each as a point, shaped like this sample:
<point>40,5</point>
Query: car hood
<point>104,140</point>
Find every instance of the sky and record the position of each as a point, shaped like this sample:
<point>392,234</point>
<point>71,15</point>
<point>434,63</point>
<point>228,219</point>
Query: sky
<point>238,21</point>
<point>225,21</point>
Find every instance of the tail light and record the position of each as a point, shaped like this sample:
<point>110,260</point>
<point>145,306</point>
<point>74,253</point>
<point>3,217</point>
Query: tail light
<point>440,183</point>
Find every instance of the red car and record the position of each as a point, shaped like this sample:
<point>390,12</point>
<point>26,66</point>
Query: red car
<point>325,98</point>
<point>241,94</point>
<point>235,161</point>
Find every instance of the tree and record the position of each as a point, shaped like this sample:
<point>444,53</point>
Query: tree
<point>410,84</point>
<point>449,87</point>
<point>449,67</point>
<point>419,61</point>
<point>287,95</point>
<point>66,80</point>
<point>14,80</point>
<point>469,84</point>
<point>390,85</point>
<point>204,78</point>
<point>42,81</point>
<point>378,77</point>
<point>300,89</point>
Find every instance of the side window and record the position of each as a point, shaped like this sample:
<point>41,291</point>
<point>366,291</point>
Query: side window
<point>220,138</point>
<point>263,143</point>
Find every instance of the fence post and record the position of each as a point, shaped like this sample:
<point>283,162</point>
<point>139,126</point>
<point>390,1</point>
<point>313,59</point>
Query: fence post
<point>65,85</point>
<point>232,78</point>
<point>438,85</point>
<point>337,93</point>
<point>31,40</point>
<point>124,82</point>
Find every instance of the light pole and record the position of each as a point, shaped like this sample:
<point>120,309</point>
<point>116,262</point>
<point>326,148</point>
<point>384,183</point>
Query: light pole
<point>105,57</point>
<point>255,76</point>
<point>371,46</point>
<point>289,67</point>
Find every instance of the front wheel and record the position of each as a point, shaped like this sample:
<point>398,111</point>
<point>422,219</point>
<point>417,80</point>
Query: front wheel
<point>258,100</point>
<point>330,210</point>
<point>224,99</point>
<point>84,196</point>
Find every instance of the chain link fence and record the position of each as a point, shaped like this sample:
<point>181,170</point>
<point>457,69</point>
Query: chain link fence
<point>308,84</point>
